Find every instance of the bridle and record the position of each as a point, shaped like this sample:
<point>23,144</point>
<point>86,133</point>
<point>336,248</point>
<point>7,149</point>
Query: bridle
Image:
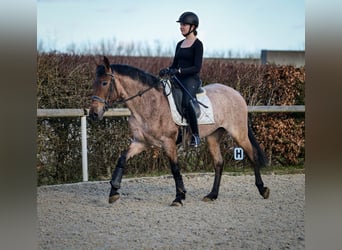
<point>111,87</point>
<point>105,101</point>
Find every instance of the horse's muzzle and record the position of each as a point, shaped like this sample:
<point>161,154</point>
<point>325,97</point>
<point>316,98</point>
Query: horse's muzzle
<point>97,110</point>
<point>94,116</point>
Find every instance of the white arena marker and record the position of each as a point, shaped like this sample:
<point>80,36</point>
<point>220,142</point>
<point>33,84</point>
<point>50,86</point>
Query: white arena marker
<point>238,154</point>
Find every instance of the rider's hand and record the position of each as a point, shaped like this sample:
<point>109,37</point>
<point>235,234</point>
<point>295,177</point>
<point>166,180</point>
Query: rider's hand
<point>173,71</point>
<point>164,72</point>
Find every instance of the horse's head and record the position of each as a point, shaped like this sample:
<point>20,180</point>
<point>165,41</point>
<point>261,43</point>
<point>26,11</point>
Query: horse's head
<point>103,90</point>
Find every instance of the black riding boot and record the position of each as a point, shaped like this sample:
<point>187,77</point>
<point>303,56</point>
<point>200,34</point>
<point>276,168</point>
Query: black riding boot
<point>192,120</point>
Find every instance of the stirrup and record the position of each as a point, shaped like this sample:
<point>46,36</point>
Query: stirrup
<point>195,141</point>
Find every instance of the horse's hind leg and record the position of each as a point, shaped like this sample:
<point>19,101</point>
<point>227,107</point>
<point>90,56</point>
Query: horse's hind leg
<point>214,148</point>
<point>257,157</point>
<point>260,160</point>
<point>134,148</point>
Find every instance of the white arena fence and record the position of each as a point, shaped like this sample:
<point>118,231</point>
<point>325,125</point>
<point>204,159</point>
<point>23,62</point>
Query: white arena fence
<point>83,113</point>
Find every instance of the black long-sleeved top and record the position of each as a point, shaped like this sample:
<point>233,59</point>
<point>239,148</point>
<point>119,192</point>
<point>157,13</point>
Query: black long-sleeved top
<point>188,59</point>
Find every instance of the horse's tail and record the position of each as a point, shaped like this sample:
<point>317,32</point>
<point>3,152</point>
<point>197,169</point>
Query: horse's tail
<point>259,154</point>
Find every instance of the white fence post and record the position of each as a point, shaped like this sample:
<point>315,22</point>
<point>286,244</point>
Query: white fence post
<point>84,148</point>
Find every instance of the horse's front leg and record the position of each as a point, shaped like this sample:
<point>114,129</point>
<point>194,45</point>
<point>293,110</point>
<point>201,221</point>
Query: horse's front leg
<point>171,151</point>
<point>134,149</point>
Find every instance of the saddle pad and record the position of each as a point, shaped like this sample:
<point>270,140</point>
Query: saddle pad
<point>206,116</point>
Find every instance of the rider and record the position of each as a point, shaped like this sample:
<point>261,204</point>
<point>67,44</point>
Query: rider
<point>186,65</point>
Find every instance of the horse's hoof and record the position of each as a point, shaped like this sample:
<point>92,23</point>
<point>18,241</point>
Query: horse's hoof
<point>266,193</point>
<point>113,198</point>
<point>177,203</point>
<point>209,197</point>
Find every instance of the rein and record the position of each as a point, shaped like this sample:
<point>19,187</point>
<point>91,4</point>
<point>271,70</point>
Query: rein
<point>140,93</point>
<point>112,83</point>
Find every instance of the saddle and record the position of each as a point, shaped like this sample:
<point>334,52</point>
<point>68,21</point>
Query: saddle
<point>204,114</point>
<point>178,96</point>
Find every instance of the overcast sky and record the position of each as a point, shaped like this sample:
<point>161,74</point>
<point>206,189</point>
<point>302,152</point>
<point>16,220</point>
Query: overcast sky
<point>244,26</point>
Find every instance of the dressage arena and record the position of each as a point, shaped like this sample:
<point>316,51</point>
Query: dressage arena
<point>78,216</point>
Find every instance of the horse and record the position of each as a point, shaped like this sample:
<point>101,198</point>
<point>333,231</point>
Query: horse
<point>151,124</point>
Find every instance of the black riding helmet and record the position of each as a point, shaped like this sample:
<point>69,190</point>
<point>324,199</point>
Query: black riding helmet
<point>189,18</point>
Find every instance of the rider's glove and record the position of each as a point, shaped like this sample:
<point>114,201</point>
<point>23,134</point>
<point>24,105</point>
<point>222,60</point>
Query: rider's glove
<point>173,71</point>
<point>164,72</point>
<point>168,71</point>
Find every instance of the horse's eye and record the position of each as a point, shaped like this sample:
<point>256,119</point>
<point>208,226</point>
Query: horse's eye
<point>104,83</point>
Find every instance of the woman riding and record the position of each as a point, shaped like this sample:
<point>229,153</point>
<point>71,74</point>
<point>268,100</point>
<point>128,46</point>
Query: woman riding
<point>186,65</point>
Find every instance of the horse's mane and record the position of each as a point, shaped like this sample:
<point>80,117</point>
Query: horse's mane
<point>132,72</point>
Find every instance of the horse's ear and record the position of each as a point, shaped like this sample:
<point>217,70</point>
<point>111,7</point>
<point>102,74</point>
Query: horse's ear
<point>106,62</point>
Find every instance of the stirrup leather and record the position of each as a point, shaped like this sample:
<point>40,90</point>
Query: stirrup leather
<point>195,141</point>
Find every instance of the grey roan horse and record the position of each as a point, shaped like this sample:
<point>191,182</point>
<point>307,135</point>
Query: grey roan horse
<point>151,123</point>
